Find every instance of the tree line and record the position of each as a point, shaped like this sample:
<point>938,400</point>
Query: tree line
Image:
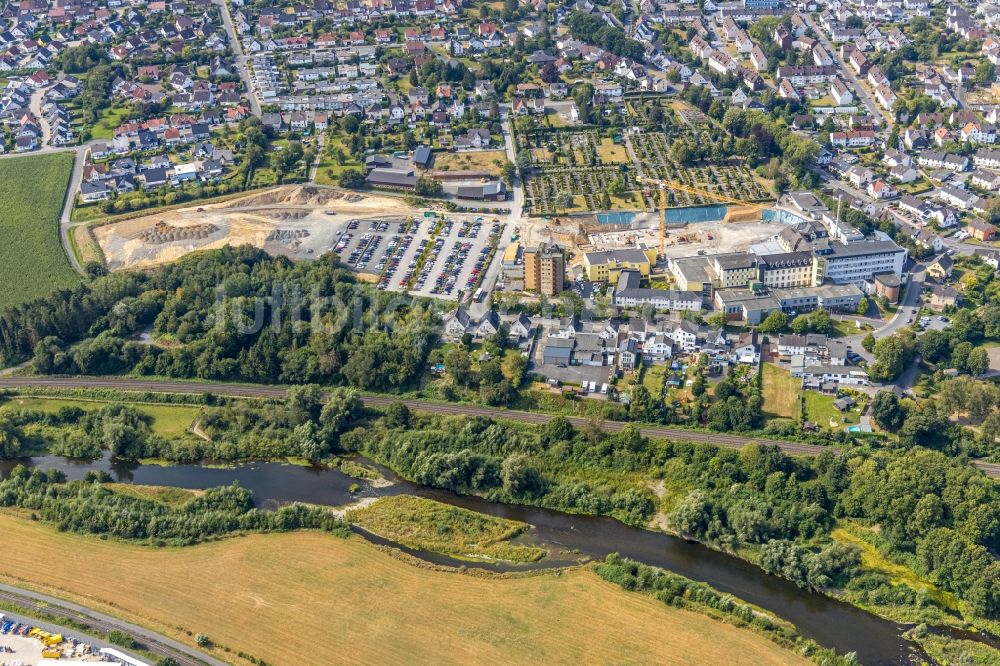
<point>88,507</point>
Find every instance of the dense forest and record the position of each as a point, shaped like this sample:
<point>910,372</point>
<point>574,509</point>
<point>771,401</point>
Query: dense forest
<point>231,314</point>
<point>88,507</point>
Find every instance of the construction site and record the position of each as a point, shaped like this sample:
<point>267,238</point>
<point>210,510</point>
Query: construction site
<point>297,221</point>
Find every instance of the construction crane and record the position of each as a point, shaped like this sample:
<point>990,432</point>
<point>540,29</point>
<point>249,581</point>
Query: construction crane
<point>748,210</point>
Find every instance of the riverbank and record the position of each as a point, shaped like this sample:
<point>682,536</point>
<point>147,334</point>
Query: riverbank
<point>270,595</point>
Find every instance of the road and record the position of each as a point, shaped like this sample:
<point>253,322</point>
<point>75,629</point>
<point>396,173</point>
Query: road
<point>859,90</point>
<point>259,391</point>
<point>35,106</point>
<point>239,56</point>
<point>516,204</point>
<point>153,642</point>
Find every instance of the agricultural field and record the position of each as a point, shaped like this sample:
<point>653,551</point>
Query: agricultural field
<point>32,260</point>
<point>266,595</point>
<point>781,392</point>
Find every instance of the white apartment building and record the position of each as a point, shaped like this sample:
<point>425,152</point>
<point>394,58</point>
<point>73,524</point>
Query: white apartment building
<point>858,261</point>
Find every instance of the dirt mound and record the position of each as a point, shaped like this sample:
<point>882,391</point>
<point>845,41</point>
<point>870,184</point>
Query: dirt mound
<point>286,214</point>
<point>161,233</point>
<point>287,235</point>
<point>292,195</point>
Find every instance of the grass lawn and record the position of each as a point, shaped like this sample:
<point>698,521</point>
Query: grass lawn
<point>168,420</point>
<point>843,329</point>
<point>32,260</point>
<point>109,120</point>
<point>273,595</point>
<point>555,119</point>
<point>428,525</point>
<point>820,410</point>
<point>610,153</point>
<point>781,392</point>
<point>476,160</point>
<point>652,378</point>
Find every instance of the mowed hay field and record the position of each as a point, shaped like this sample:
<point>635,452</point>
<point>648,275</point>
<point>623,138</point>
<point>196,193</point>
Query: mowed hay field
<point>312,598</point>
<point>32,260</point>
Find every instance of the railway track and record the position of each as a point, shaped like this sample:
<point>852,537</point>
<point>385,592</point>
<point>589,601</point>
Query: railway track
<point>254,391</point>
<point>46,606</point>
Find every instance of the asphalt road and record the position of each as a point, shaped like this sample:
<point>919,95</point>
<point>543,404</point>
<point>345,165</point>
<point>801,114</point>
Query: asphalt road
<point>239,56</point>
<point>152,642</point>
<point>255,391</point>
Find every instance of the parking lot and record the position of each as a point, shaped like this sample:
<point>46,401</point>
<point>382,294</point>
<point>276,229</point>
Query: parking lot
<point>439,257</point>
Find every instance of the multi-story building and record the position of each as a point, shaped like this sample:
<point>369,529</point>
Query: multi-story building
<point>544,269</point>
<point>605,266</point>
<point>629,293</point>
<point>857,262</point>
<point>736,269</point>
<point>788,269</point>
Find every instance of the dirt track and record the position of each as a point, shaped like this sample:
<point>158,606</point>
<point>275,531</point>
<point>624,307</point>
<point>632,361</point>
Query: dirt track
<point>290,220</point>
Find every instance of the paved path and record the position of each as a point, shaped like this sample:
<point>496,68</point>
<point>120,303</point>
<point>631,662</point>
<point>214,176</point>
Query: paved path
<point>262,391</point>
<point>153,642</point>
<point>35,106</point>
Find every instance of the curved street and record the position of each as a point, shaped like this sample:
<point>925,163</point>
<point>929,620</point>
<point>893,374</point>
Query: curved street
<point>258,391</point>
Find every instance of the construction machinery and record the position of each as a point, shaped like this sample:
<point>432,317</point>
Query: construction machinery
<point>738,211</point>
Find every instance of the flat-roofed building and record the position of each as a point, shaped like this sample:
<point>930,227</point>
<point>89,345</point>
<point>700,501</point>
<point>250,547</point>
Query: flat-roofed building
<point>606,265</point>
<point>858,262</point>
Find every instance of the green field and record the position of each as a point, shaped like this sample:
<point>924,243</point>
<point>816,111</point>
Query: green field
<point>168,420</point>
<point>781,392</point>
<point>820,410</point>
<point>110,119</point>
<point>32,260</point>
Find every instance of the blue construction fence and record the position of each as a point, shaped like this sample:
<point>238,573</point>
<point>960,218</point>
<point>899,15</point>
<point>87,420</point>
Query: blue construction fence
<point>695,214</point>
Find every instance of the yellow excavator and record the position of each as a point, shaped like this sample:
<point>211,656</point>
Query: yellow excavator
<point>739,211</point>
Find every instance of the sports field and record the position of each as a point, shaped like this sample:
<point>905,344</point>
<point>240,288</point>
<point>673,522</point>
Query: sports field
<point>32,260</point>
<point>310,597</point>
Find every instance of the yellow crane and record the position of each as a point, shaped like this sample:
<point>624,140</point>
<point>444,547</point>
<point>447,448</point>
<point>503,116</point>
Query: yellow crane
<point>747,211</point>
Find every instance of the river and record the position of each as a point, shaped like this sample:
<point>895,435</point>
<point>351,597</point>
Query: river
<point>829,622</point>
